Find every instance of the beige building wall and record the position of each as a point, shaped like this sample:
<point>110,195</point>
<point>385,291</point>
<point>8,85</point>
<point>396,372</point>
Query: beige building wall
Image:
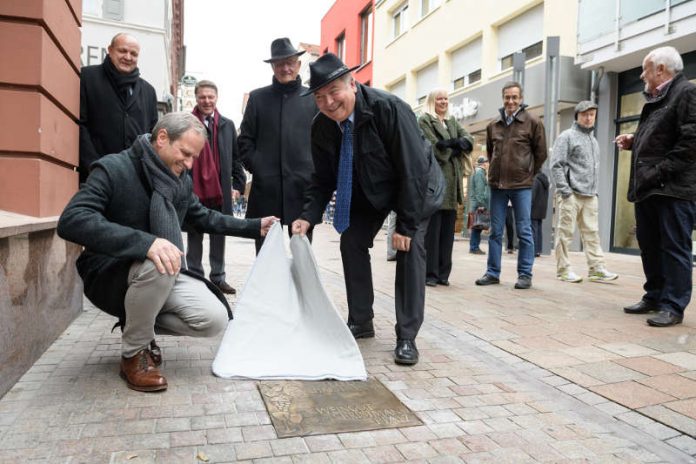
<point>449,26</point>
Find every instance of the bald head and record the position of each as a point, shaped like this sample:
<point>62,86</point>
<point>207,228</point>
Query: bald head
<point>123,52</point>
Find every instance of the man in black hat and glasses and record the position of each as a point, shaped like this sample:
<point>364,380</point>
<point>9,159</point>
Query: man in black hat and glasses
<point>367,146</point>
<point>274,143</point>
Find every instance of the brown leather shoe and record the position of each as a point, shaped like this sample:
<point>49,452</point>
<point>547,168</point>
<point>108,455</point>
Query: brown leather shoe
<point>155,354</point>
<point>140,373</point>
<point>225,287</point>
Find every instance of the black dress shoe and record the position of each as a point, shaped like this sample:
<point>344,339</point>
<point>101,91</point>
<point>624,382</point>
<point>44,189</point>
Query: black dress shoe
<point>366,330</point>
<point>487,279</point>
<point>523,282</point>
<point>665,318</point>
<point>642,307</point>
<point>431,283</point>
<point>406,352</point>
<point>443,282</point>
<point>225,287</point>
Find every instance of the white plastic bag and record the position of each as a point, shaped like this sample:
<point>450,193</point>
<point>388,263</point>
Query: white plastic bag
<point>285,326</point>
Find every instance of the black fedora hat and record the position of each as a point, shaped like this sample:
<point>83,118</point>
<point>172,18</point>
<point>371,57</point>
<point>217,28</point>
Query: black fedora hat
<point>326,69</point>
<point>282,48</point>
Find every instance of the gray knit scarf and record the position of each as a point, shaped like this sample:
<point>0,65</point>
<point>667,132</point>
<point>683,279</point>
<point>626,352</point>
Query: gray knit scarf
<point>164,222</point>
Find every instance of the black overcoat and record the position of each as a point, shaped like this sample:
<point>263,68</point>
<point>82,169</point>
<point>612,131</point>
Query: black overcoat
<point>390,159</point>
<point>275,147</point>
<point>664,145</point>
<point>107,125</point>
<point>110,217</point>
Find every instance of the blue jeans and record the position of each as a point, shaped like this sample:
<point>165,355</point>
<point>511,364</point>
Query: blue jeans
<point>475,240</point>
<point>522,205</point>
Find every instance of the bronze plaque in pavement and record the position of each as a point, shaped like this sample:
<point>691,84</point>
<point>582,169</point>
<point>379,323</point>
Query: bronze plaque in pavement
<point>300,408</point>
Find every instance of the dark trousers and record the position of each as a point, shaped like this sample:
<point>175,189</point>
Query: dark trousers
<point>365,223</point>
<point>439,241</point>
<point>259,241</point>
<point>663,229</point>
<point>216,255</point>
<point>509,228</point>
<point>536,233</point>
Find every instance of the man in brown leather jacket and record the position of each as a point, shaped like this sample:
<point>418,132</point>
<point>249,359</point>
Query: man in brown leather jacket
<point>516,147</point>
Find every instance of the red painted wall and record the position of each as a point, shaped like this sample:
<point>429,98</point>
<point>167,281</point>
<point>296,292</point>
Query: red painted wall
<point>344,17</point>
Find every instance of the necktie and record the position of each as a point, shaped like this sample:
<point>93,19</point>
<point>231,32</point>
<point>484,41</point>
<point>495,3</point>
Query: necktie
<point>509,119</point>
<point>345,180</point>
<point>211,123</point>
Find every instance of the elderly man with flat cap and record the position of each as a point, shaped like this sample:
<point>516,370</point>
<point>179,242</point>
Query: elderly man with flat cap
<point>575,172</point>
<point>274,140</point>
<point>367,146</point>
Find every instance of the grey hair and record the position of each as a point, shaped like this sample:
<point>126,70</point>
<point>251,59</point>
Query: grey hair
<point>669,57</point>
<point>430,101</point>
<point>176,124</point>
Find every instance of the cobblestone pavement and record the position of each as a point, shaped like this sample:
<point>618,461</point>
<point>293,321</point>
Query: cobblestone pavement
<point>557,374</point>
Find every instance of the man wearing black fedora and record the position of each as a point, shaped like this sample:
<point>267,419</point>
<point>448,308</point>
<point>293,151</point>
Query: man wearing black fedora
<point>274,140</point>
<point>367,146</point>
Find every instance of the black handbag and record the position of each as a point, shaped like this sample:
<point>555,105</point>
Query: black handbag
<point>482,220</point>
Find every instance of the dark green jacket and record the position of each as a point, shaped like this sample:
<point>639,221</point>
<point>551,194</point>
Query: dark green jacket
<point>479,193</point>
<point>454,167</point>
<point>110,217</point>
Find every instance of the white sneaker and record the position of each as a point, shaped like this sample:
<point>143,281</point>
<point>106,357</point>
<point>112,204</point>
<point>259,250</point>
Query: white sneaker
<point>570,276</point>
<point>602,275</point>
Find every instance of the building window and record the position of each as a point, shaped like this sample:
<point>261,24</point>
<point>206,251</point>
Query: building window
<point>366,35</point>
<point>426,82</point>
<point>113,9</point>
<point>428,5</point>
<point>522,33</point>
<point>399,89</point>
<point>341,46</point>
<point>400,20</point>
<point>529,52</point>
<point>466,64</point>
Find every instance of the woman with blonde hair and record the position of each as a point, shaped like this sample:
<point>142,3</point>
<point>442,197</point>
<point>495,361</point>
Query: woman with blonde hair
<point>452,146</point>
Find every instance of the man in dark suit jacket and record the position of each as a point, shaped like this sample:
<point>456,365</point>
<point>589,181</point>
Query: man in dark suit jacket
<point>116,105</point>
<point>274,139</point>
<point>128,216</point>
<point>367,146</point>
<point>218,179</point>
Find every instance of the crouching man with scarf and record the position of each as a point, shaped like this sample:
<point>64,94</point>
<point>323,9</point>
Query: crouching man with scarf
<point>128,216</point>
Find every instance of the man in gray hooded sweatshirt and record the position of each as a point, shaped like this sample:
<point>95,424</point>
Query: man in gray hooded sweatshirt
<point>575,169</point>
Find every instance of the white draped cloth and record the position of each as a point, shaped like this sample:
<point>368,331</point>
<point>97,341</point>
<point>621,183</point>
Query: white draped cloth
<point>285,326</point>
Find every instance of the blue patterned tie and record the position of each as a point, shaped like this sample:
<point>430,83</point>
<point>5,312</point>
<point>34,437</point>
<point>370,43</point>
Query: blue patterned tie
<point>345,179</point>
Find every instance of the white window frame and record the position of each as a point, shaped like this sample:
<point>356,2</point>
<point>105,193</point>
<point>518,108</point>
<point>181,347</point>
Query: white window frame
<point>367,20</point>
<point>427,6</point>
<point>400,17</point>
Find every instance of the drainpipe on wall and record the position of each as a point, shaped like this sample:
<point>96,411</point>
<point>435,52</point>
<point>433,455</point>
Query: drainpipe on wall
<point>595,79</point>
<point>551,96</point>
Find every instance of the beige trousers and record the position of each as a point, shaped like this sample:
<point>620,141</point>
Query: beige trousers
<point>584,211</point>
<point>171,305</point>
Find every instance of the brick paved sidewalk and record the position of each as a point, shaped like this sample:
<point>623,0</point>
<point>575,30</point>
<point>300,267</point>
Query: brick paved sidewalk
<point>557,373</point>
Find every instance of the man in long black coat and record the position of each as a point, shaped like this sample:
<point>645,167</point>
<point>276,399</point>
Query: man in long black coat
<point>274,140</point>
<point>218,179</point>
<point>116,104</point>
<point>128,215</point>
<point>367,146</point>
<point>663,186</point>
